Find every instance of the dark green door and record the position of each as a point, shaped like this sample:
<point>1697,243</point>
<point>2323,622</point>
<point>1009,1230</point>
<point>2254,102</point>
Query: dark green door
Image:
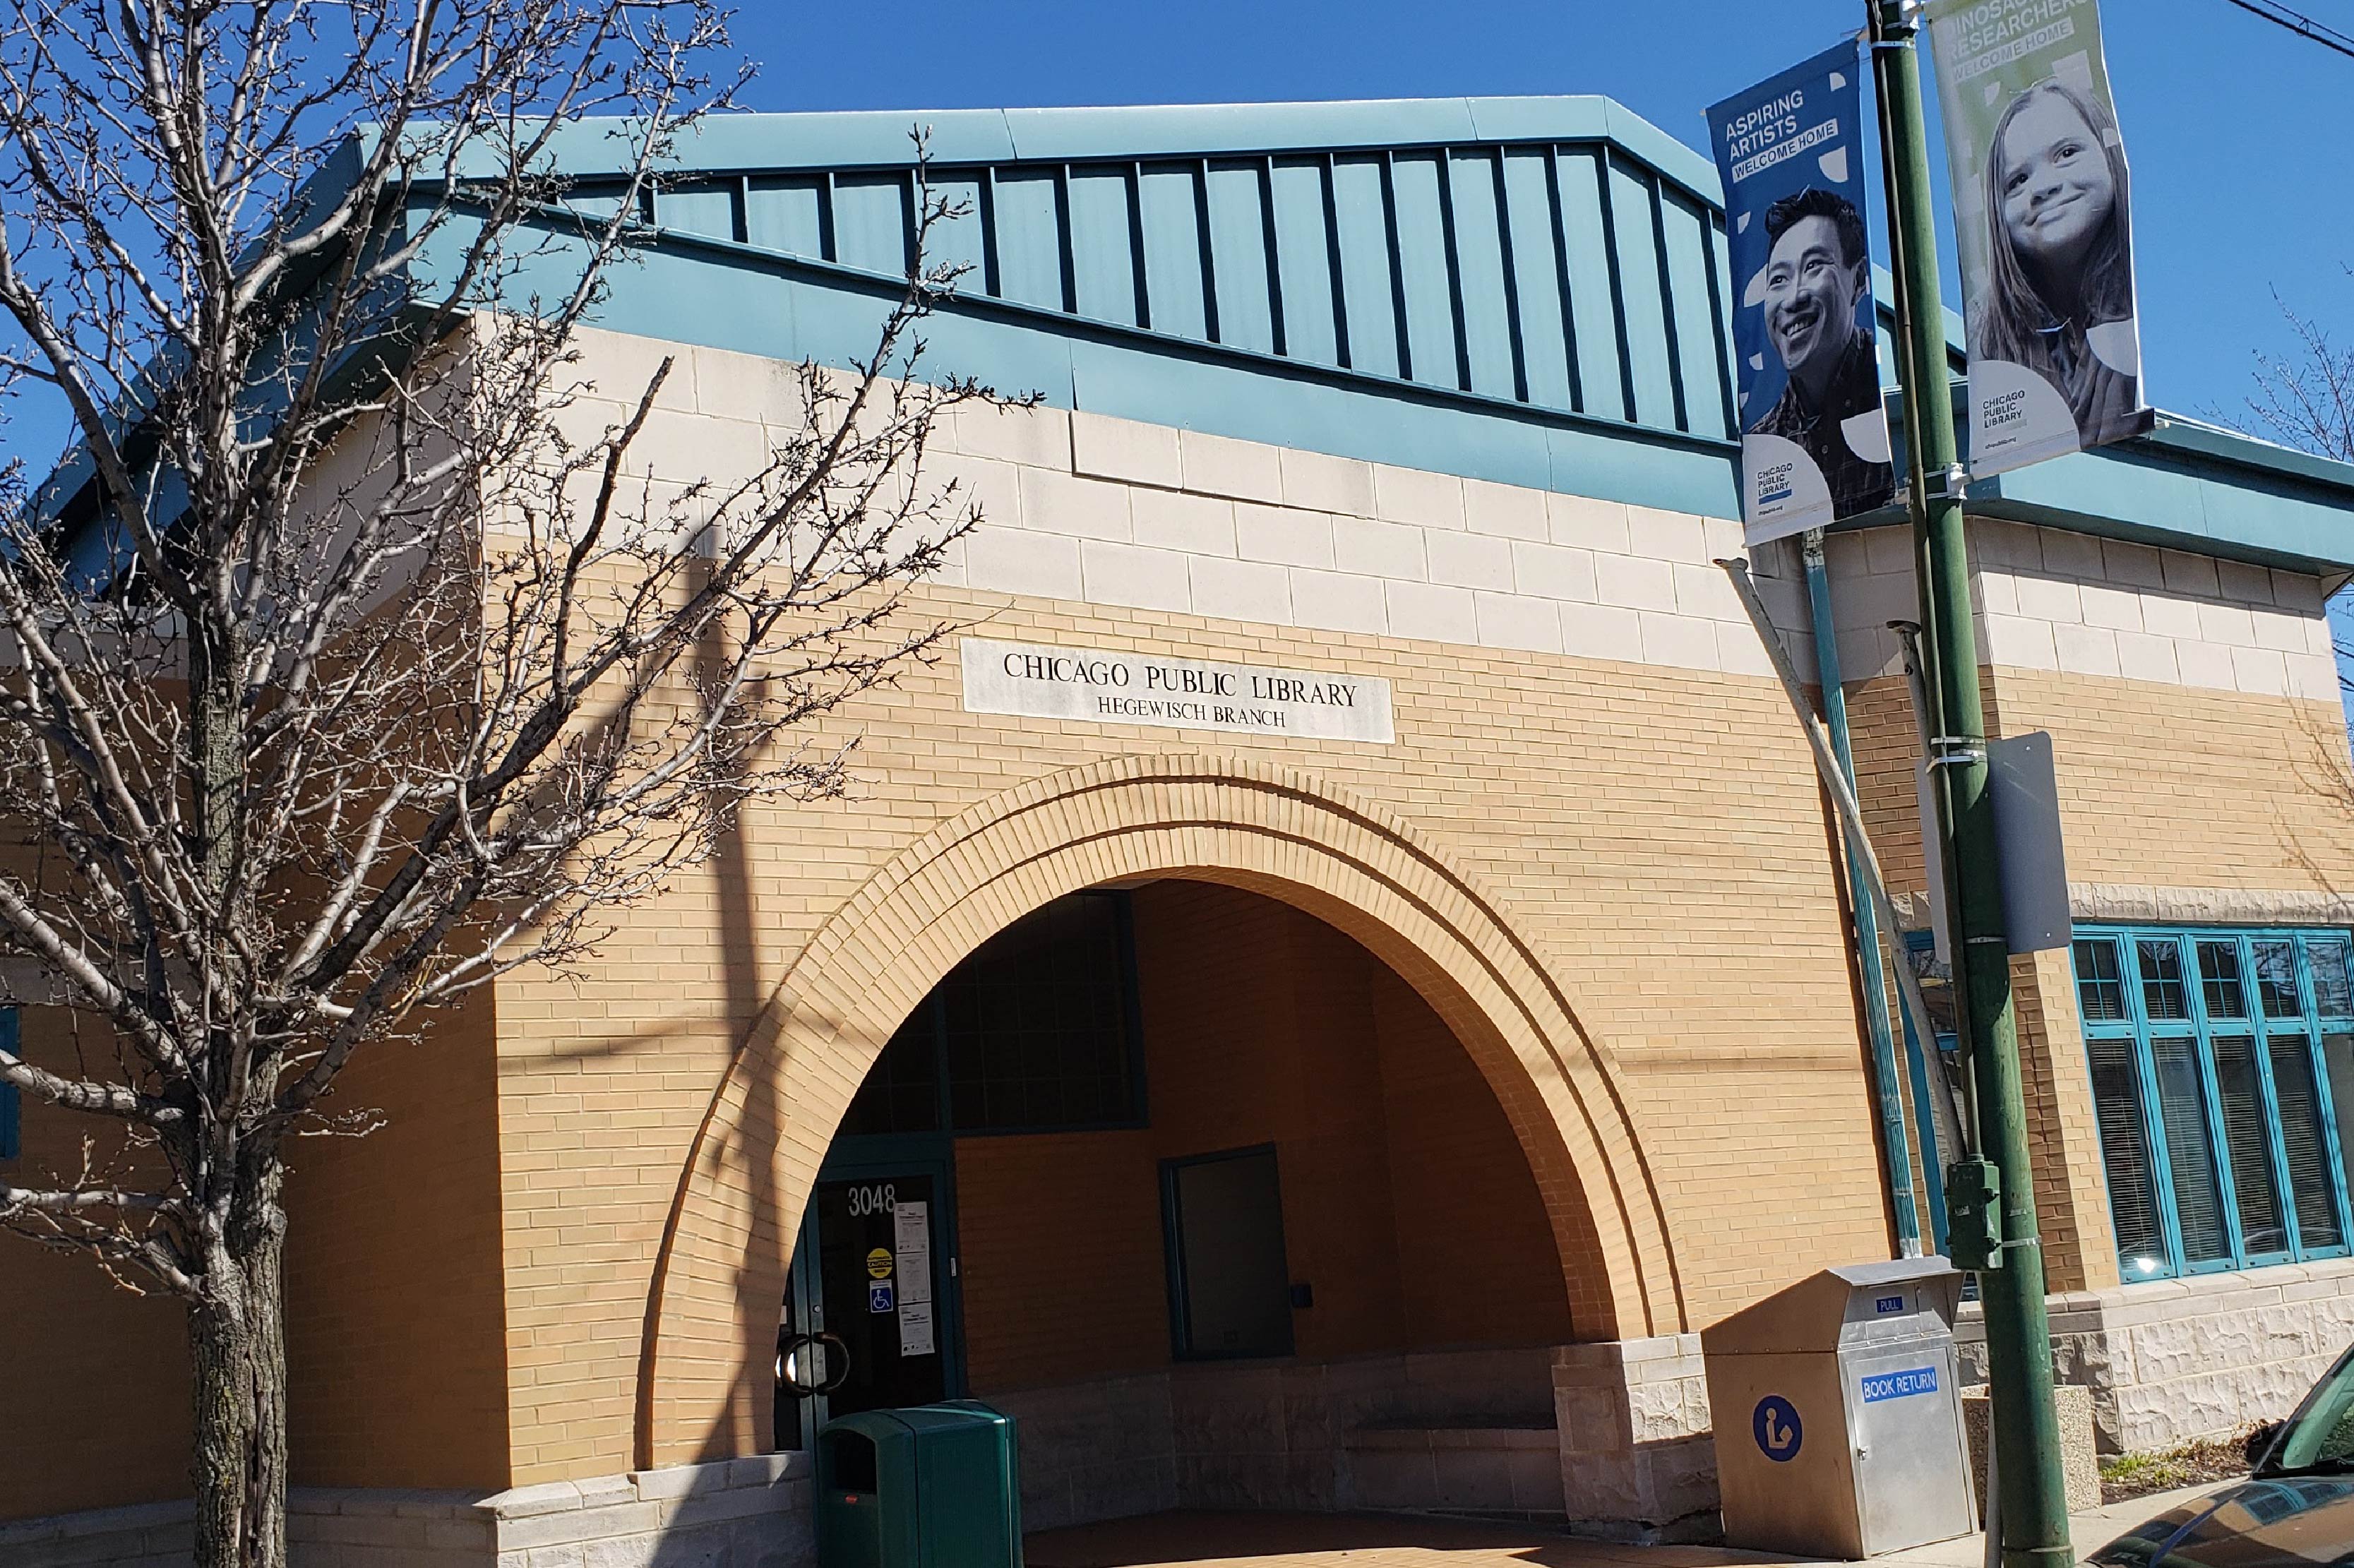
<point>869,1319</point>
<point>881,1271</point>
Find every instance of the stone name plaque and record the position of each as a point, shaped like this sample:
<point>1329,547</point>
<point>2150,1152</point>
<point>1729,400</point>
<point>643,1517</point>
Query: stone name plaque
<point>1181,693</point>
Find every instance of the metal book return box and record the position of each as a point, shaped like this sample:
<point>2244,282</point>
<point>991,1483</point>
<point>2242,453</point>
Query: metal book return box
<point>1838,1424</point>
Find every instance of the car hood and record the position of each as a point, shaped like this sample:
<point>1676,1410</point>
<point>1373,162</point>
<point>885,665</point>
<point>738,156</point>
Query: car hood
<point>2256,1523</point>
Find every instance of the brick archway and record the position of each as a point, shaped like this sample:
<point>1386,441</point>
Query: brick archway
<point>710,1325</point>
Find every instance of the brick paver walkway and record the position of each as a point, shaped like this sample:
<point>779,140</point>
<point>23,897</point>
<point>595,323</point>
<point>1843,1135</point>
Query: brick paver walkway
<point>1344,1540</point>
<point>1404,1541</point>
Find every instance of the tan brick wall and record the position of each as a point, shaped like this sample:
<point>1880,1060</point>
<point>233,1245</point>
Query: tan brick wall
<point>1260,1027</point>
<point>1476,1263</point>
<point>601,1091</point>
<point>1408,1206</point>
<point>2072,1204</point>
<point>1059,1242</point>
<point>395,1355</point>
<point>97,1376</point>
<point>2188,787</point>
<point>1562,854</point>
<point>395,1344</point>
<point>1590,796</point>
<point>1596,853</point>
<point>2162,784</point>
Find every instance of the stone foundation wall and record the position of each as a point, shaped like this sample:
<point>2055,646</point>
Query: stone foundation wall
<point>1606,1439</point>
<point>325,1529</point>
<point>155,1535</point>
<point>1493,1472</point>
<point>1103,1449</point>
<point>739,1513</point>
<point>1638,1459</point>
<point>2173,1360</point>
<point>1250,1436</point>
<point>2164,1363</point>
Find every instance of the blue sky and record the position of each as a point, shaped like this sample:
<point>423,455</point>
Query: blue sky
<point>2229,120</point>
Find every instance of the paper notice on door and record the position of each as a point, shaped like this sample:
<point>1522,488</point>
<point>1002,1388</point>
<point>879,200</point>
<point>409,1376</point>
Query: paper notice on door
<point>915,1328</point>
<point>914,1276</point>
<point>912,1242</point>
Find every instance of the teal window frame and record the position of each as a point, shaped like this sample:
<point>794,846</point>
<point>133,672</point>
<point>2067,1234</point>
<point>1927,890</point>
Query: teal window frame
<point>2200,1026</point>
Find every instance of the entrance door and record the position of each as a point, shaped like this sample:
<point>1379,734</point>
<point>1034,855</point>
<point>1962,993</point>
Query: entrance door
<point>867,1320</point>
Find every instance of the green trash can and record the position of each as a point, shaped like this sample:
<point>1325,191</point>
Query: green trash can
<point>931,1486</point>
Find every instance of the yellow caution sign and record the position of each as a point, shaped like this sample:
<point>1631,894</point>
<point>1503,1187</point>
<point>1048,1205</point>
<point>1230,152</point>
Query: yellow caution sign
<point>879,1264</point>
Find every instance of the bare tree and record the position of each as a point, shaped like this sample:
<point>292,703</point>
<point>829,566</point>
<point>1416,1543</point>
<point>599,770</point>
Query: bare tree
<point>2305,399</point>
<point>345,667</point>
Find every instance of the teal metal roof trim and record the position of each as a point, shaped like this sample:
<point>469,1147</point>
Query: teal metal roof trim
<point>880,138</point>
<point>1527,289</point>
<point>1555,264</point>
<point>2190,486</point>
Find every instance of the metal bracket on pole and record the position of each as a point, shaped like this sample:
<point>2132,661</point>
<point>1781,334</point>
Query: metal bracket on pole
<point>1956,751</point>
<point>1950,483</point>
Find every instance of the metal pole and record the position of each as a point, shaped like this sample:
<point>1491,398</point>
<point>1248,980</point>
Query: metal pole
<point>1965,1116</point>
<point>1843,801</point>
<point>1888,1088</point>
<point>2033,1503</point>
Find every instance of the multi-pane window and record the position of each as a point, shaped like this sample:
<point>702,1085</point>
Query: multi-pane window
<point>2222,1068</point>
<point>1034,1031</point>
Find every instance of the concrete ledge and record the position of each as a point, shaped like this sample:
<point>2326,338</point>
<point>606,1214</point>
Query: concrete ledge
<point>2207,905</point>
<point>1534,1439</point>
<point>2171,1361</point>
<point>2079,1465</point>
<point>740,1510</point>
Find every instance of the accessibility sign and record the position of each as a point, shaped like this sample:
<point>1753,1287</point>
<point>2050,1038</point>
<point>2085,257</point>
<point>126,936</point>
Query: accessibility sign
<point>1777,1429</point>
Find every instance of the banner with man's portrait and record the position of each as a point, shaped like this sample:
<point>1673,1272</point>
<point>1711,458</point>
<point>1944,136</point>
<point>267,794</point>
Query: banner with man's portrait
<point>2041,212</point>
<point>1814,441</point>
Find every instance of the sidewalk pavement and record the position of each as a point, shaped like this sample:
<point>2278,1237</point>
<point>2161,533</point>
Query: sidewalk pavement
<point>2091,1531</point>
<point>1203,1539</point>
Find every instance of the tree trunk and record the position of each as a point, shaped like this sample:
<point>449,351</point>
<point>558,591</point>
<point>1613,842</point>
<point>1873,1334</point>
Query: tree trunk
<point>237,1344</point>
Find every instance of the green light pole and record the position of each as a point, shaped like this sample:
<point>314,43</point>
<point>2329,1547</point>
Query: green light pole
<point>2002,1245</point>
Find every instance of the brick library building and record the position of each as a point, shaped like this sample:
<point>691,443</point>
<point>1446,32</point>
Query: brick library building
<point>1346,967</point>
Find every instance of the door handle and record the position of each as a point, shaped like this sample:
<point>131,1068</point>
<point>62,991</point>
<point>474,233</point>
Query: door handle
<point>826,1382</point>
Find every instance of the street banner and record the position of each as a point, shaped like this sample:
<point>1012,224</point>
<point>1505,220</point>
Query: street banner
<point>1814,442</point>
<point>2042,215</point>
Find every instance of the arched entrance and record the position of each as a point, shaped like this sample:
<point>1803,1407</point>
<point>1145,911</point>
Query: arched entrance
<point>1211,1201</point>
<point>706,1379</point>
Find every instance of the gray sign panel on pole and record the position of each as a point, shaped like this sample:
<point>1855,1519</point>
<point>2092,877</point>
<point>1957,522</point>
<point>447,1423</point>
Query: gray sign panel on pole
<point>2026,832</point>
<point>2026,793</point>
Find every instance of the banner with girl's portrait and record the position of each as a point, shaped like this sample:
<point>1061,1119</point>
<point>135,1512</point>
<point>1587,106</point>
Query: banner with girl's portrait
<point>2042,214</point>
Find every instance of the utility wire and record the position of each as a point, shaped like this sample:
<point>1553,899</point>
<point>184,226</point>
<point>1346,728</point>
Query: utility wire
<point>2304,26</point>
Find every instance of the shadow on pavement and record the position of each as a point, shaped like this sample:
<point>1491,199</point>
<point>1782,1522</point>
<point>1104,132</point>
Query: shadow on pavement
<point>1351,1540</point>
